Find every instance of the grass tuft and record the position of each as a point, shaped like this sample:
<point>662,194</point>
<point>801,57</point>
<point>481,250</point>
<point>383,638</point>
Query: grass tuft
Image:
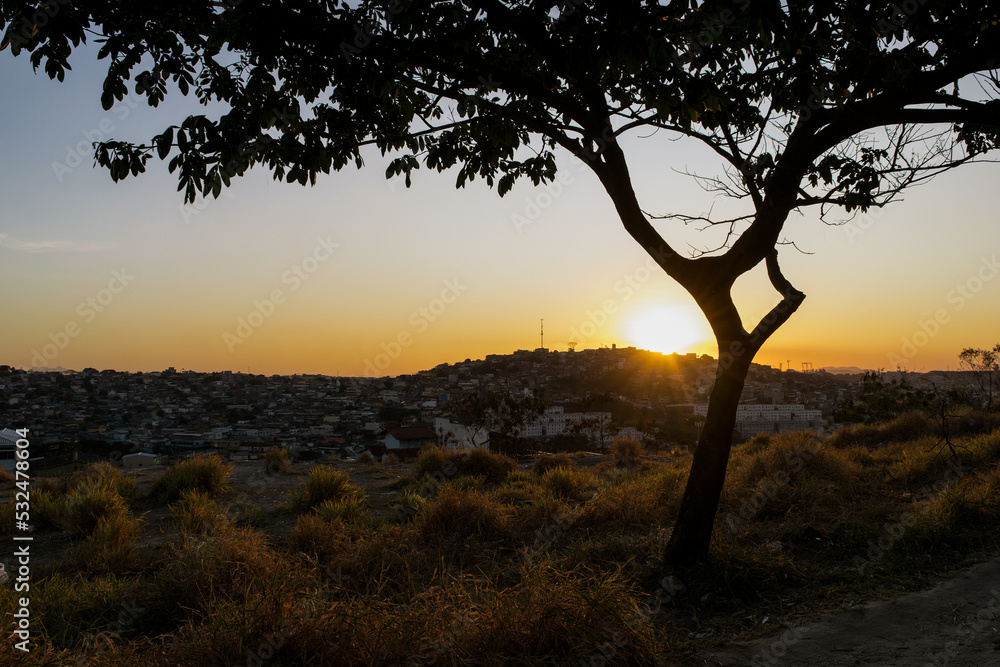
<point>277,461</point>
<point>325,484</point>
<point>545,462</point>
<point>627,453</point>
<point>208,474</point>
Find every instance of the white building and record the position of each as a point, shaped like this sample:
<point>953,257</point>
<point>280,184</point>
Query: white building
<point>754,418</point>
<point>556,421</point>
<point>460,436</point>
<point>8,445</point>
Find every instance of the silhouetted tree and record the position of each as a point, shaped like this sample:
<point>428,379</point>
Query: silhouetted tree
<point>983,364</point>
<point>835,104</point>
<point>879,400</point>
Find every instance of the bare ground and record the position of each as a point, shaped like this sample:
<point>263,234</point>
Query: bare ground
<point>955,623</point>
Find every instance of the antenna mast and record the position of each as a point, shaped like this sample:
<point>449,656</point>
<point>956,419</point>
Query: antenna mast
<point>541,333</point>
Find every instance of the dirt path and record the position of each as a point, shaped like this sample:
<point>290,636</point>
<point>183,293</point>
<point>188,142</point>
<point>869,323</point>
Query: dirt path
<point>956,623</point>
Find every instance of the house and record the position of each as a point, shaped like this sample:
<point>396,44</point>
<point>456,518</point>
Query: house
<point>139,460</point>
<point>8,443</point>
<point>409,437</point>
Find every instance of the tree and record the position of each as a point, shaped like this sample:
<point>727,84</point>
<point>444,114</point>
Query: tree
<point>878,400</point>
<point>498,411</point>
<point>984,366</point>
<point>834,105</point>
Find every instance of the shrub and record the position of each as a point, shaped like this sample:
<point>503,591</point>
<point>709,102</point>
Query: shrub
<point>569,484</point>
<point>196,513</point>
<point>324,483</point>
<point>545,462</point>
<point>276,461</point>
<point>907,426</point>
<point>344,510</point>
<point>634,501</point>
<point>365,458</point>
<point>111,545</point>
<point>627,453</point>
<point>47,509</point>
<point>5,476</point>
<point>315,535</point>
<point>104,472</point>
<point>462,513</point>
<point>203,473</point>
<point>86,506</point>
<point>445,464</point>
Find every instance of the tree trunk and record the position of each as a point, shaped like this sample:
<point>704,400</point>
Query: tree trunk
<point>692,533</point>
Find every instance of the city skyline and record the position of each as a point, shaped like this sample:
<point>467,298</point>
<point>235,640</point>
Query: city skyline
<point>332,278</point>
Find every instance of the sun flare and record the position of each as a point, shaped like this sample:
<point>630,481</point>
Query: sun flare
<point>666,329</point>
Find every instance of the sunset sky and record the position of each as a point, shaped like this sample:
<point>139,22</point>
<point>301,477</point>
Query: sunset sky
<point>360,274</point>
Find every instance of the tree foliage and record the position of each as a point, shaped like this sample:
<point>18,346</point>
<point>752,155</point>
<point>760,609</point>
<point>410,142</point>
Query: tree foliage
<point>880,400</point>
<point>983,364</point>
<point>837,105</point>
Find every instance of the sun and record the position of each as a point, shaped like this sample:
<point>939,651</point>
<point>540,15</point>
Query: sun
<point>666,329</point>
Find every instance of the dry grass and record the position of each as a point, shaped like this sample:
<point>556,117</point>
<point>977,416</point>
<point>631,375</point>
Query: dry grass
<point>325,484</point>
<point>209,474</point>
<point>277,461</point>
<point>444,464</point>
<point>462,513</point>
<point>570,484</point>
<point>509,567</point>
<point>545,462</point>
<point>197,514</point>
<point>627,453</point>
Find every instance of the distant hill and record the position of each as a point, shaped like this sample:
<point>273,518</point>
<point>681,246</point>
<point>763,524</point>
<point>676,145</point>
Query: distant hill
<point>844,370</point>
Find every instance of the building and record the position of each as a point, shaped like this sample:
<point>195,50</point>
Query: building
<point>556,421</point>
<point>8,447</point>
<point>409,437</point>
<point>460,436</point>
<point>753,418</point>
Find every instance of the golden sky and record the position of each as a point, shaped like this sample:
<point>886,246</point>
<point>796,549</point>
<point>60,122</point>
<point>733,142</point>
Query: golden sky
<point>359,275</point>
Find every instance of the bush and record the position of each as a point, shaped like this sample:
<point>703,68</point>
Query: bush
<point>104,472</point>
<point>316,536</point>
<point>545,462</point>
<point>907,426</point>
<point>569,484</point>
<point>462,513</point>
<point>5,476</point>
<point>344,510</point>
<point>47,509</point>
<point>197,514</point>
<point>276,461</point>
<point>627,453</point>
<point>323,484</point>
<point>444,464</point>
<point>111,545</point>
<point>208,474</point>
<point>86,506</point>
